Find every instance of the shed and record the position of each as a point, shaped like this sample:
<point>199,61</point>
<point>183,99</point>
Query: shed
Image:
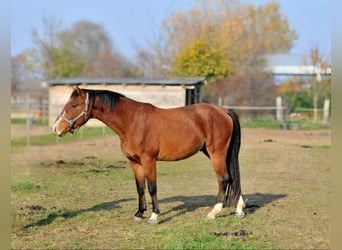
<point>162,92</point>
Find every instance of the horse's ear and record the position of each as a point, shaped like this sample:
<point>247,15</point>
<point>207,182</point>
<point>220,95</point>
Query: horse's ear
<point>79,91</point>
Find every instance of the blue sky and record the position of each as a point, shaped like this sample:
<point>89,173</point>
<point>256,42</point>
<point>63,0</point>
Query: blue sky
<point>133,22</point>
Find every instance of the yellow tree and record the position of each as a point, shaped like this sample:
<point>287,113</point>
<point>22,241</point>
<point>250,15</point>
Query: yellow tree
<point>199,59</point>
<point>235,33</point>
<point>267,30</point>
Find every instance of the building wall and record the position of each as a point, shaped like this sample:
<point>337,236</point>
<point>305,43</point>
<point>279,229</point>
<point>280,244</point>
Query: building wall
<point>159,95</point>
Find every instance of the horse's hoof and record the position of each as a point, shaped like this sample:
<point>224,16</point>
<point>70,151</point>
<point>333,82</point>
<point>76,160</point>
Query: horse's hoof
<point>240,214</point>
<point>152,222</point>
<point>138,219</point>
<point>210,217</point>
<point>153,219</point>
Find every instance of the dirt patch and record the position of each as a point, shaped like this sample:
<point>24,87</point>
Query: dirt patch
<point>105,147</point>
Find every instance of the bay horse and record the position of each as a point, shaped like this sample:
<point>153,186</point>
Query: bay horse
<point>149,134</point>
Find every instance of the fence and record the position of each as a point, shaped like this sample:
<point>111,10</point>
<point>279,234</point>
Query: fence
<point>273,112</point>
<point>278,112</point>
<point>28,108</point>
<point>31,111</point>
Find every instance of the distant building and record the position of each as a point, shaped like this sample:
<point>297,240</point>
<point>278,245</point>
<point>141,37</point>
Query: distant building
<point>295,65</point>
<point>163,93</point>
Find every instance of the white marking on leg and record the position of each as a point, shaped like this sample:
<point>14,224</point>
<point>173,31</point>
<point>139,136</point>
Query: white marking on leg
<point>153,219</point>
<point>239,208</point>
<point>217,208</point>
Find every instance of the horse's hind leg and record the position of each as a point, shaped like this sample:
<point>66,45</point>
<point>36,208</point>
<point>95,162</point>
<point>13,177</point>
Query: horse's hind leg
<point>219,164</point>
<point>239,208</point>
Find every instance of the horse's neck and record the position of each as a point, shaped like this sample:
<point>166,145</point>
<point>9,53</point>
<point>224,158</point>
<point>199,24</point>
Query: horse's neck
<point>119,119</point>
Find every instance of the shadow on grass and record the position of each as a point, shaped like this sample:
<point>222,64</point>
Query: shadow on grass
<point>188,204</point>
<point>71,214</point>
<point>191,203</point>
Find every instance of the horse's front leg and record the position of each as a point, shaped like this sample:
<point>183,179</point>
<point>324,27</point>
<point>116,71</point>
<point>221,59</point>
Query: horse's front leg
<point>151,176</point>
<point>140,183</point>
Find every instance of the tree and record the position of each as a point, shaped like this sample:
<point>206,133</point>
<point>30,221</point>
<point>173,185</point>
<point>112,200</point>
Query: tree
<point>267,30</point>
<point>318,89</point>
<point>43,54</point>
<point>232,32</point>
<point>86,39</point>
<point>107,64</point>
<point>17,73</point>
<point>199,59</point>
<point>65,63</point>
<point>296,95</point>
<point>292,93</point>
<point>310,92</point>
<point>21,75</point>
<point>93,46</point>
<point>83,49</point>
<point>248,87</point>
<point>153,61</point>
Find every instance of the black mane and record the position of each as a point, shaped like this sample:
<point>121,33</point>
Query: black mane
<point>105,97</point>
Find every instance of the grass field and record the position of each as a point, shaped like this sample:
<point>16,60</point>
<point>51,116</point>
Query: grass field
<point>81,194</point>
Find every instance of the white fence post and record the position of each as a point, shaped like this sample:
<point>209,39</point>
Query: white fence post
<point>279,109</point>
<point>28,120</point>
<point>220,101</point>
<point>326,110</point>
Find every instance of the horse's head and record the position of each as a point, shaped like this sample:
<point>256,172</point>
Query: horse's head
<point>74,113</point>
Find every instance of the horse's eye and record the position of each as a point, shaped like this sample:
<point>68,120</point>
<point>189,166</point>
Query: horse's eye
<point>73,105</point>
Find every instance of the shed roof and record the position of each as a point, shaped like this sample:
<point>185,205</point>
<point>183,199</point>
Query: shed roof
<point>188,81</point>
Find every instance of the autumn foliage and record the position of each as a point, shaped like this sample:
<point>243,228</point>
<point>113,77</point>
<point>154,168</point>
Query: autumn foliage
<point>217,38</point>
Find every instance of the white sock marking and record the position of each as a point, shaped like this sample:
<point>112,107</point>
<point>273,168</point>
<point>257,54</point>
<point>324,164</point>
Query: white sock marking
<point>153,218</point>
<point>217,208</point>
<point>239,208</point>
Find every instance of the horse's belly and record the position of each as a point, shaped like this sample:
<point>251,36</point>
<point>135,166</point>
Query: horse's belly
<point>177,151</point>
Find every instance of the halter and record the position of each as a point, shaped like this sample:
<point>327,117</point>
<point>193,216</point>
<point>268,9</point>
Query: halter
<point>84,112</point>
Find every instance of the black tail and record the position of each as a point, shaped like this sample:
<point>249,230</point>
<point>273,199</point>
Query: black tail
<point>233,191</point>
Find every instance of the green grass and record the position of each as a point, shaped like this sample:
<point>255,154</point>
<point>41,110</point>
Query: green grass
<point>83,133</point>
<point>274,124</point>
<point>66,204</point>
<point>22,121</point>
<point>26,186</point>
<point>86,202</point>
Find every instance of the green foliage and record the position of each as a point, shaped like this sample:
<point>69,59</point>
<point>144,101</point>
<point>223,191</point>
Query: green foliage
<point>65,63</point>
<point>297,95</point>
<point>216,39</point>
<point>83,49</point>
<point>199,59</point>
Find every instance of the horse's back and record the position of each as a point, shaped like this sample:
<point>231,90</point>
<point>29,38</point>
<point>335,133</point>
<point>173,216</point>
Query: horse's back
<point>184,131</point>
<point>215,121</point>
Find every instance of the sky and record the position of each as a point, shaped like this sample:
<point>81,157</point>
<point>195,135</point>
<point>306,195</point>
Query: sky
<point>131,23</point>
